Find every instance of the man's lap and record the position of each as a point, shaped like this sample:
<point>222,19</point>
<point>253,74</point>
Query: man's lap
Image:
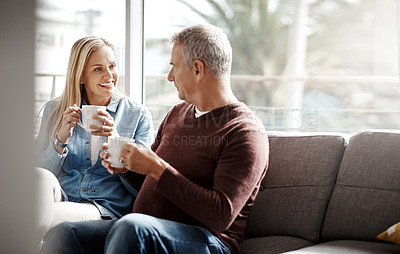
<point>142,233</point>
<point>90,236</point>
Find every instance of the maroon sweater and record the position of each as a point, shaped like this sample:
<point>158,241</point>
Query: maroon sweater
<point>217,162</point>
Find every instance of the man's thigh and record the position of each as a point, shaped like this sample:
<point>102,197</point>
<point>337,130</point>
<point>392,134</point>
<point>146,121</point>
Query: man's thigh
<point>77,237</point>
<point>146,234</point>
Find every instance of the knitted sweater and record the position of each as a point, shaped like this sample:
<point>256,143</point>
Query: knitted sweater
<point>217,162</point>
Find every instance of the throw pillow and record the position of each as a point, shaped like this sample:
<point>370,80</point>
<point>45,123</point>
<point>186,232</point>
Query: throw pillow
<point>392,234</point>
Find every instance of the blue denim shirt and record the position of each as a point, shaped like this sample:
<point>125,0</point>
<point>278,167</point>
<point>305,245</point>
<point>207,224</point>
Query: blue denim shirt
<point>82,182</point>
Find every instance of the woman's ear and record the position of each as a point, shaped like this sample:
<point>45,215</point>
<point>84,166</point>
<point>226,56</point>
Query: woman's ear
<point>198,68</point>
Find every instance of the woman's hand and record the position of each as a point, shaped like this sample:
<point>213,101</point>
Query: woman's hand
<point>69,121</point>
<point>107,128</point>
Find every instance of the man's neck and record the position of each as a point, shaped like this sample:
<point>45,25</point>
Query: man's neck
<point>214,94</point>
<point>213,101</point>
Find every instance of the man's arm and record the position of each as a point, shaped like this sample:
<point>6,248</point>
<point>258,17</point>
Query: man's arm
<point>239,171</point>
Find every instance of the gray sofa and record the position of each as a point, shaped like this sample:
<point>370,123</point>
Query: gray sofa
<point>327,193</point>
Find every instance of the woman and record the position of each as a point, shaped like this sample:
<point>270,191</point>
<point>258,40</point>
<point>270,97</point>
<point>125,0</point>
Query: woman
<point>70,168</point>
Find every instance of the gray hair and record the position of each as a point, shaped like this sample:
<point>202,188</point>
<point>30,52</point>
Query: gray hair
<point>208,44</point>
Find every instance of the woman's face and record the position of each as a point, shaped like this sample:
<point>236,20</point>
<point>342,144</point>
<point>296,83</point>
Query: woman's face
<point>100,76</point>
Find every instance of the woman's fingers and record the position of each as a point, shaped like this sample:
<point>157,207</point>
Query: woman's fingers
<point>105,118</point>
<point>107,128</point>
<point>71,115</point>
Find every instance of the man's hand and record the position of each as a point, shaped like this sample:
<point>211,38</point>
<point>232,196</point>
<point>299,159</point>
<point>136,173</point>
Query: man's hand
<point>137,158</point>
<point>104,154</point>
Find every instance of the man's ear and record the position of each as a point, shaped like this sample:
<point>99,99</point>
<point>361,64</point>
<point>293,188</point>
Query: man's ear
<point>198,68</point>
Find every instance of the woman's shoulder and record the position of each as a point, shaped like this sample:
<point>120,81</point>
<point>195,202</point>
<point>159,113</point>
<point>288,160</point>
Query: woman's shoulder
<point>127,103</point>
<point>49,105</point>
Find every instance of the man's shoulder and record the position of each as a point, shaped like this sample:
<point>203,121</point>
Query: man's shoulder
<point>245,115</point>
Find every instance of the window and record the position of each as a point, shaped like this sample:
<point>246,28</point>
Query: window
<point>303,65</point>
<point>306,65</point>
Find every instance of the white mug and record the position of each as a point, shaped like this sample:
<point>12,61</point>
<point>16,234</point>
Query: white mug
<point>87,116</point>
<point>115,145</point>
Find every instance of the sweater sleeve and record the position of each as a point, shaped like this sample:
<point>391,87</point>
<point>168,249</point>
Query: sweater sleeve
<point>134,180</point>
<point>237,177</point>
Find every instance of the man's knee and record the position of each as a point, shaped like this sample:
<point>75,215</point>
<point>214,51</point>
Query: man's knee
<point>135,224</point>
<point>135,230</point>
<point>133,220</point>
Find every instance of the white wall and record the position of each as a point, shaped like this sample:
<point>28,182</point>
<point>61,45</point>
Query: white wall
<point>17,185</point>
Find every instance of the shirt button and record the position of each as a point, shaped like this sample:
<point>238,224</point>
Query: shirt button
<point>87,159</point>
<point>84,189</point>
<point>87,142</point>
<point>93,190</point>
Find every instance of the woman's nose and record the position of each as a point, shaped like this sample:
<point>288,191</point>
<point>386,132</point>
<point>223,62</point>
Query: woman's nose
<point>109,73</point>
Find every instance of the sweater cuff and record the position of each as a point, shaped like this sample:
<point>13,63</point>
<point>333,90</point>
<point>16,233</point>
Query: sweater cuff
<point>167,179</point>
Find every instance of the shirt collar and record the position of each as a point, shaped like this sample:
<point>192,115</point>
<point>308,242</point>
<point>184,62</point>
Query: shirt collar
<point>199,113</point>
<point>112,106</point>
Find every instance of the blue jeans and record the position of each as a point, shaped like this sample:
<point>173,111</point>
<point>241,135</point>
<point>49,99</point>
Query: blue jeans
<point>133,233</point>
<point>77,237</point>
<point>140,233</point>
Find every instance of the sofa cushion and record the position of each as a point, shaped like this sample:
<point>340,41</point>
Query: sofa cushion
<point>392,234</point>
<point>272,244</point>
<point>349,247</point>
<point>366,198</point>
<point>295,191</point>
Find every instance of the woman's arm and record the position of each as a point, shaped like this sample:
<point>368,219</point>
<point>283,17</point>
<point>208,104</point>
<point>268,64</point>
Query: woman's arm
<point>47,156</point>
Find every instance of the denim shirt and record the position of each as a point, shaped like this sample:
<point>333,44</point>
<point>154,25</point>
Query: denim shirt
<point>82,182</point>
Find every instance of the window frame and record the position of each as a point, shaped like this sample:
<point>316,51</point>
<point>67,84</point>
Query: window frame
<point>134,50</point>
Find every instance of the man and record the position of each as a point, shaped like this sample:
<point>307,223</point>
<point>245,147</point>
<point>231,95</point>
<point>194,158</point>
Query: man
<point>204,169</point>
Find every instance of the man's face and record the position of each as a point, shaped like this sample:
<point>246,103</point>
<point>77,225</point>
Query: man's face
<point>181,75</point>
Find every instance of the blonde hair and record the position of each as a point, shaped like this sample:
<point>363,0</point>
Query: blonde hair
<point>74,92</point>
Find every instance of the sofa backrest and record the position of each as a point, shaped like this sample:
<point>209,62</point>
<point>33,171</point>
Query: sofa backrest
<point>366,198</point>
<point>295,191</point>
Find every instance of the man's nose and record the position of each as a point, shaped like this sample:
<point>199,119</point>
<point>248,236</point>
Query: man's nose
<point>170,77</point>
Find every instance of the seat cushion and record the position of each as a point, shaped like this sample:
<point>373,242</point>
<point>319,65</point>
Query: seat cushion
<point>295,191</point>
<point>272,244</point>
<point>349,247</point>
<point>366,198</point>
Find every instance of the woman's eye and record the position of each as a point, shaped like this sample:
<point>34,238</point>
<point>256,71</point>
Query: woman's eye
<point>97,69</point>
<point>113,66</point>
